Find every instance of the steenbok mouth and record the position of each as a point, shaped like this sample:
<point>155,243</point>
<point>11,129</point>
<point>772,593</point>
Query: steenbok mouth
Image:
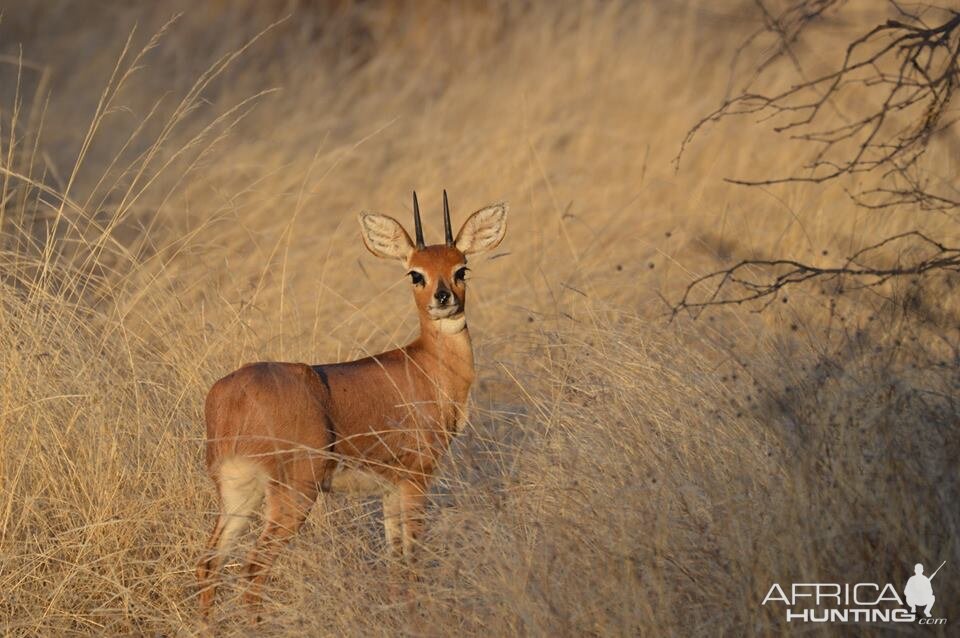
<point>444,312</point>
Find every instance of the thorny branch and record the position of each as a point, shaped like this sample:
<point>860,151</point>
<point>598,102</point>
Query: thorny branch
<point>904,72</point>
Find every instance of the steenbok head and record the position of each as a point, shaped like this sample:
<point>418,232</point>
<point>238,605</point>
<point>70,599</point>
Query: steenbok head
<point>438,272</point>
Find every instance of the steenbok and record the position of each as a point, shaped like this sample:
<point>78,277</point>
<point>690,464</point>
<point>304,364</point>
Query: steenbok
<point>283,432</point>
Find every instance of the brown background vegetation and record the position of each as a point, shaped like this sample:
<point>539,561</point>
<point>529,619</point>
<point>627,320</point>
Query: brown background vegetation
<point>193,207</point>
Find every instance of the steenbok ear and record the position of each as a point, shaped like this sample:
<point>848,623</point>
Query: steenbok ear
<point>385,237</point>
<point>484,230</point>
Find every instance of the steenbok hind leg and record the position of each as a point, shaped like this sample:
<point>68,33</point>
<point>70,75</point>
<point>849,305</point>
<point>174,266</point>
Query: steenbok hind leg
<point>241,486</point>
<point>286,510</point>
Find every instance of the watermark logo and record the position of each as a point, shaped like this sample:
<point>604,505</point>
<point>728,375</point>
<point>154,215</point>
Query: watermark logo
<point>859,602</point>
<point>919,591</point>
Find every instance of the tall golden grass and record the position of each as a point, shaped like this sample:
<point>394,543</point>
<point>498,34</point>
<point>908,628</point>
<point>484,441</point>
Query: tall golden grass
<point>179,196</point>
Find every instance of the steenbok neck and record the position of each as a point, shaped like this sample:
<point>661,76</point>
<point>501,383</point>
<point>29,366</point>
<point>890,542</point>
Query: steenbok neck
<point>447,337</point>
<point>453,325</point>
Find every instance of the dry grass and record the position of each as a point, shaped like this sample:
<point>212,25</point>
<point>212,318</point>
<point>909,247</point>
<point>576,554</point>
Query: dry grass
<point>171,215</point>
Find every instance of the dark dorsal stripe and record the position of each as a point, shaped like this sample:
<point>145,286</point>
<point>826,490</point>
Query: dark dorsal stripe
<point>327,478</point>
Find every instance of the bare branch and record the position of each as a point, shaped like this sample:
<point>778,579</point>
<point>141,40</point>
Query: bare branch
<point>764,279</point>
<point>910,71</point>
<point>904,74</point>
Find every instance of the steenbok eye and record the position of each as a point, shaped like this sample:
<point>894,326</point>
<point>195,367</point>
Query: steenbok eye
<point>416,278</point>
<point>461,274</point>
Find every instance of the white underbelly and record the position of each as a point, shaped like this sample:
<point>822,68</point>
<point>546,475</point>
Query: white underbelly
<point>359,482</point>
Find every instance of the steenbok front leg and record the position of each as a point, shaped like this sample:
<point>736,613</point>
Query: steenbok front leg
<point>413,500</point>
<point>393,523</point>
